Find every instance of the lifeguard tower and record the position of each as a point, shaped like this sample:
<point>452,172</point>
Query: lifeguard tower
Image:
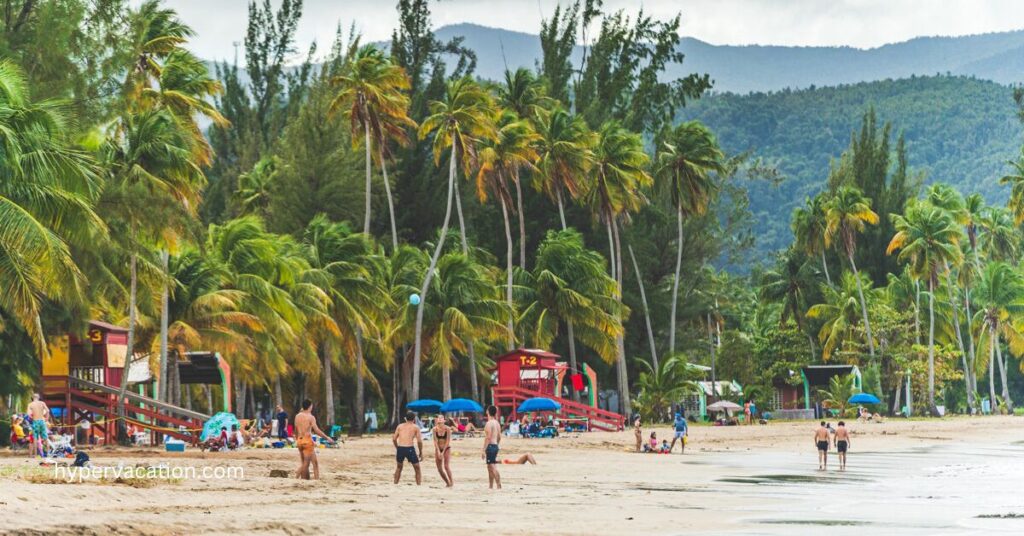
<point>81,380</point>
<point>529,373</point>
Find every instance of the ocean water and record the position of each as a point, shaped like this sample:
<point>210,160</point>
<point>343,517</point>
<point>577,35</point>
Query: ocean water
<point>957,488</point>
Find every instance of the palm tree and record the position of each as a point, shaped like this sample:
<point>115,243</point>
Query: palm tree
<point>254,186</point>
<point>789,284</point>
<point>997,235</point>
<point>459,123</point>
<point>565,156</point>
<point>685,162</point>
<point>619,175</point>
<point>840,389</point>
<point>569,284</point>
<point>661,387</point>
<point>154,34</point>
<point>847,214</point>
<point>185,89</point>
<point>467,308</point>
<point>809,230</point>
<point>838,313</point>
<point>47,190</point>
<point>1016,181</point>
<point>928,241</point>
<point>372,96</point>
<point>1001,296</point>
<point>501,162</point>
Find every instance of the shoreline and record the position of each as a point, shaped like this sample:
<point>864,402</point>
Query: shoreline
<point>590,483</point>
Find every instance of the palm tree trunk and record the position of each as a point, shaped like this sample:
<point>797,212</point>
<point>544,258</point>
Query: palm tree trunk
<point>991,369</point>
<point>508,276</point>
<point>473,380</point>
<point>959,334</point>
<point>132,286</point>
<point>360,384</point>
<point>278,396</point>
<point>711,345</point>
<point>931,347</point>
<point>462,221</point>
<point>863,308</point>
<point>366,216</point>
<point>917,311</point>
<point>969,379</point>
<point>675,282</point>
<point>164,313</point>
<point>328,386</point>
<point>209,399</point>
<point>396,390</point>
<point>573,368</point>
<point>469,344</point>
<point>1002,378</point>
<point>561,209</point>
<point>418,346</point>
<point>240,389</point>
<point>627,409</point>
<point>522,225</point>
<point>391,200</point>
<point>647,312</point>
<point>611,250</point>
<point>824,265</point>
<point>446,382</point>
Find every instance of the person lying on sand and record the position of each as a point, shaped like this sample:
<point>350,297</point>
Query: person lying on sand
<point>522,460</point>
<point>305,425</point>
<point>821,442</point>
<point>406,434</point>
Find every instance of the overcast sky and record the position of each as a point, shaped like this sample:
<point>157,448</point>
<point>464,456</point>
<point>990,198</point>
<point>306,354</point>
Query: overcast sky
<point>858,23</point>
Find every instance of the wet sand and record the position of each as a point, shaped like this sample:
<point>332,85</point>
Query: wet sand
<point>954,476</point>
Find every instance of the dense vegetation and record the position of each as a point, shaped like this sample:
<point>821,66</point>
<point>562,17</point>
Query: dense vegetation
<point>565,207</point>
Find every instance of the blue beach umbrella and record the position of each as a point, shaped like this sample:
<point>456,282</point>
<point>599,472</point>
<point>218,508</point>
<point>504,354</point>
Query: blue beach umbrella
<point>863,398</point>
<point>461,404</point>
<point>218,421</point>
<point>538,404</point>
<point>424,405</point>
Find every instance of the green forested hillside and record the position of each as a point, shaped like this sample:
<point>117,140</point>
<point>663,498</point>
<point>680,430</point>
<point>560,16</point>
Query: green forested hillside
<point>958,130</point>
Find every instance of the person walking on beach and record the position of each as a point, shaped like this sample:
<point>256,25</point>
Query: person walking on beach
<point>821,442</point>
<point>281,416</point>
<point>639,435</point>
<point>305,425</point>
<point>40,413</point>
<point>405,435</point>
<point>443,450</point>
<point>492,436</point>
<point>842,444</point>
<point>681,431</point>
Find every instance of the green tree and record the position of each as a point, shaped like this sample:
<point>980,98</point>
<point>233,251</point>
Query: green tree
<point>838,313</point>
<point>1001,298</point>
<point>660,388</point>
<point>847,215</point>
<point>565,157</point>
<point>808,226</point>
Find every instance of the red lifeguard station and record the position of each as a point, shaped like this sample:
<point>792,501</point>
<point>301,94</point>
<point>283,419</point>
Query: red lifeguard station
<point>528,373</point>
<point>82,378</point>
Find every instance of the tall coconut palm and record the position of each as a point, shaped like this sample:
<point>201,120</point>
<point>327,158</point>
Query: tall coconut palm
<point>565,156</point>
<point>459,123</point>
<point>466,308</point>
<point>685,163</point>
<point>1016,181</point>
<point>838,313</point>
<point>569,285</point>
<point>372,95</point>
<point>789,283</point>
<point>928,240</point>
<point>1001,298</point>
<point>847,214</point>
<point>501,162</point>
<point>47,190</point>
<point>808,228</point>
<point>619,177</point>
<point>154,33</point>
<point>997,235</point>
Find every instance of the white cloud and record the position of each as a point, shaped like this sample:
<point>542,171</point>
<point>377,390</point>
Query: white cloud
<point>859,23</point>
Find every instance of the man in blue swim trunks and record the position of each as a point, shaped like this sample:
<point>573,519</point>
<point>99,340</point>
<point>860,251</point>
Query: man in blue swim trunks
<point>405,435</point>
<point>681,431</point>
<point>39,412</point>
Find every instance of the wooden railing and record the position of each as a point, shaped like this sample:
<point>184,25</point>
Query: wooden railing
<point>600,419</point>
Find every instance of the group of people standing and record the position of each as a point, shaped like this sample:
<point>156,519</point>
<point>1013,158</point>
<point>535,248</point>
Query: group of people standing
<point>408,441</point>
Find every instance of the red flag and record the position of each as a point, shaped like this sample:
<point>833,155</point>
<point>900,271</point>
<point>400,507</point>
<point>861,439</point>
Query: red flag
<point>577,381</point>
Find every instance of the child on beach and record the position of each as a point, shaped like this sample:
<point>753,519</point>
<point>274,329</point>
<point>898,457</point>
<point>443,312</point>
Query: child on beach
<point>653,445</point>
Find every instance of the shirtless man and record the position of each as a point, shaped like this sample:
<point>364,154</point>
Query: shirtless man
<point>842,444</point>
<point>305,425</point>
<point>40,413</point>
<point>821,442</point>
<point>405,434</point>
<point>492,436</point>
<point>639,434</point>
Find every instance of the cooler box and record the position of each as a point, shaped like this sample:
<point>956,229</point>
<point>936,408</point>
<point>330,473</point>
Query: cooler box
<point>174,447</point>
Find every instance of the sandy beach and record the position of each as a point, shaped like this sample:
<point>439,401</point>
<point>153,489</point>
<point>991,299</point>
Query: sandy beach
<point>744,480</point>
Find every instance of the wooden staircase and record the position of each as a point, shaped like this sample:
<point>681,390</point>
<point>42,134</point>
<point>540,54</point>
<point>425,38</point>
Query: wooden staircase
<point>596,418</point>
<point>85,400</point>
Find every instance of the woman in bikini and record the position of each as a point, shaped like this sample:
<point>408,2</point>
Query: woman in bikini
<point>443,450</point>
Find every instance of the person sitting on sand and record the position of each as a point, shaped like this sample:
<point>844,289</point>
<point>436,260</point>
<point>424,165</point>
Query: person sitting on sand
<point>407,434</point>
<point>215,443</point>
<point>235,439</point>
<point>522,460</point>
<point>821,442</point>
<point>443,450</point>
<point>665,448</point>
<point>305,425</point>
<point>639,435</point>
<point>652,445</point>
